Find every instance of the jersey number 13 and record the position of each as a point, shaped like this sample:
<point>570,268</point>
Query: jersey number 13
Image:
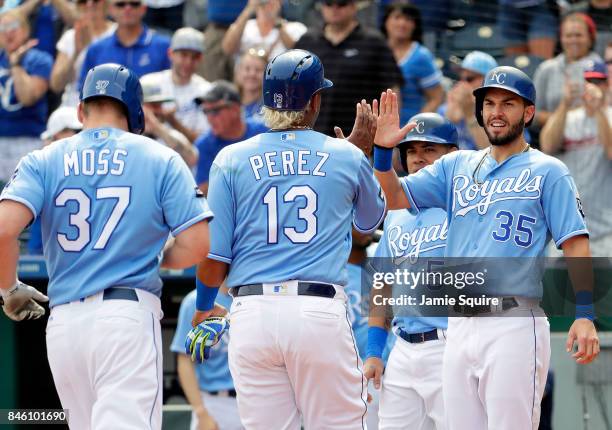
<point>306,213</point>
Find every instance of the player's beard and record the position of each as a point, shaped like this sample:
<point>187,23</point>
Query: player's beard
<point>515,131</point>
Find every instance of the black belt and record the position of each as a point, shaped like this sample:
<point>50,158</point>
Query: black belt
<point>116,293</point>
<point>304,289</point>
<point>418,337</point>
<point>223,393</point>
<point>506,304</point>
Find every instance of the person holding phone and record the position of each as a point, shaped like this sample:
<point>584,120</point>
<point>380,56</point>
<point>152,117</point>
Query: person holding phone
<point>582,138</point>
<point>577,34</point>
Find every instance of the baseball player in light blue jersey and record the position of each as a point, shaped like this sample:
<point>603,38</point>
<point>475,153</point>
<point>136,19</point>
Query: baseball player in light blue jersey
<point>208,387</point>
<point>507,200</point>
<point>411,395</point>
<point>108,200</point>
<point>284,202</point>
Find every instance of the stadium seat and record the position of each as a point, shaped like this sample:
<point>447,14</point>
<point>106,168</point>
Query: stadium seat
<point>527,63</point>
<point>482,37</point>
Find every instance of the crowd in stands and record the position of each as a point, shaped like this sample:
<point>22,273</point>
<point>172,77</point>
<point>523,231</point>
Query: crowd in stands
<point>203,85</point>
<point>201,64</point>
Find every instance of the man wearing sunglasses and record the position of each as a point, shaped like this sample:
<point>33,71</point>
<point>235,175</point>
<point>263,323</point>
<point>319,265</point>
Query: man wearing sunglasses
<point>221,105</point>
<point>356,58</point>
<point>581,137</point>
<point>460,103</point>
<point>132,44</point>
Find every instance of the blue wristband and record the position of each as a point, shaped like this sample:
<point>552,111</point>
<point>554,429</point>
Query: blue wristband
<point>205,296</point>
<point>377,339</point>
<point>383,158</point>
<point>584,305</point>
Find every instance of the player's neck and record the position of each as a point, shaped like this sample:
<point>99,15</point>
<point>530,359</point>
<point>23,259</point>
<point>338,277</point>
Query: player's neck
<point>98,120</point>
<point>502,152</point>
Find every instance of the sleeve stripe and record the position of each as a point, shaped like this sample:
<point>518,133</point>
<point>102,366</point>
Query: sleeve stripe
<point>22,201</point>
<point>559,242</point>
<point>431,80</point>
<point>219,258</point>
<point>380,218</point>
<point>192,221</point>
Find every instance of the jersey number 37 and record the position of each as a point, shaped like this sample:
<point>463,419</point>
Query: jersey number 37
<point>80,219</point>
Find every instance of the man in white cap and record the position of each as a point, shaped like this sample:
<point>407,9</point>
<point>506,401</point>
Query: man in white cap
<point>157,102</point>
<point>460,103</point>
<point>62,123</point>
<point>183,84</point>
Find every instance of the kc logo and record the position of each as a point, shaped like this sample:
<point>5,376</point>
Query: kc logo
<point>101,86</point>
<point>500,78</point>
<point>420,127</point>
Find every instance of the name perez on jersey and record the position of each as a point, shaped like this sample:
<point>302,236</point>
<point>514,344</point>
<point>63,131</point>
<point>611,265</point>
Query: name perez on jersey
<point>301,162</point>
<point>88,163</point>
<point>466,193</point>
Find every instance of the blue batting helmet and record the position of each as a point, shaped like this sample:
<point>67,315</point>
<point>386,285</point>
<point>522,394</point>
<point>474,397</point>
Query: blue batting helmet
<point>509,79</point>
<point>119,83</point>
<point>430,127</point>
<point>291,79</point>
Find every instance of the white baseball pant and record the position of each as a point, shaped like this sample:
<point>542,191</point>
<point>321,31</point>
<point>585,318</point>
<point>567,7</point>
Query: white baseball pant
<point>411,392</point>
<point>495,369</point>
<point>293,355</point>
<point>106,361</point>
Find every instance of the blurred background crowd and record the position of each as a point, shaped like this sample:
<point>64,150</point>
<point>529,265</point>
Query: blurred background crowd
<point>201,64</point>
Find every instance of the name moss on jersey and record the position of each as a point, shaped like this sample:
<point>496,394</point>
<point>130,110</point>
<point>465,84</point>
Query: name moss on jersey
<point>89,163</point>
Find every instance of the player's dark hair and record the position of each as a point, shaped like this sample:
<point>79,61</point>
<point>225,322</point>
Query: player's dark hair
<point>408,10</point>
<point>103,101</point>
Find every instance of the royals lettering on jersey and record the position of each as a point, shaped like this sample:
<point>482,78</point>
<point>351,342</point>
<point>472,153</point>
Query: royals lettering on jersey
<point>510,209</point>
<point>469,196</point>
<point>407,242</point>
<point>422,237</point>
<point>284,203</point>
<point>107,200</point>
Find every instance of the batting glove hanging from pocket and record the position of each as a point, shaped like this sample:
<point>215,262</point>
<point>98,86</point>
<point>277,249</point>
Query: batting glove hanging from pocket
<point>204,336</point>
<point>20,302</point>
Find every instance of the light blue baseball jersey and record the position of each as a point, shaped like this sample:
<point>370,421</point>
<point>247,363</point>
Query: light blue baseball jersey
<point>283,204</point>
<point>214,374</point>
<point>510,209</point>
<point>421,236</point>
<point>357,317</point>
<point>107,200</point>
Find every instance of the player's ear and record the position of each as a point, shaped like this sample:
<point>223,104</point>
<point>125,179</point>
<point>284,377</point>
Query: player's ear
<point>529,113</point>
<point>81,112</point>
<point>452,148</point>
